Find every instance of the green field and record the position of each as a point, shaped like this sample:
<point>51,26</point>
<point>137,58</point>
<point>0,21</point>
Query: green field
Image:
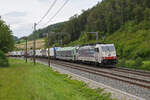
<point>40,43</point>
<point>23,81</point>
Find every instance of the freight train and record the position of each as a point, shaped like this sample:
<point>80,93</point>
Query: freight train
<point>104,54</point>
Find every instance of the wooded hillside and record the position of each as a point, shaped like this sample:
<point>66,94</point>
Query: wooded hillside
<point>40,33</point>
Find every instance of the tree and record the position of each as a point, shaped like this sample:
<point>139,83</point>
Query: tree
<point>147,14</point>
<point>6,38</point>
<point>138,13</point>
<point>3,60</point>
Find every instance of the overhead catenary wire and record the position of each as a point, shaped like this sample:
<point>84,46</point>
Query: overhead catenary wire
<point>57,12</point>
<point>35,24</point>
<point>47,12</point>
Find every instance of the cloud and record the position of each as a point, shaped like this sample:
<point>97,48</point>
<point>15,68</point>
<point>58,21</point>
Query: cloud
<point>14,17</point>
<point>43,0</point>
<point>15,14</point>
<point>22,30</point>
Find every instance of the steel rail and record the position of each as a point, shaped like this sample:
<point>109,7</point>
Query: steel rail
<point>104,74</point>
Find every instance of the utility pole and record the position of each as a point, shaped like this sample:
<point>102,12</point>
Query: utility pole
<point>48,50</point>
<point>34,45</point>
<point>61,38</point>
<point>26,49</point>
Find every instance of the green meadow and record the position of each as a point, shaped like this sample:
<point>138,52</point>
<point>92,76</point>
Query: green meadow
<point>25,81</point>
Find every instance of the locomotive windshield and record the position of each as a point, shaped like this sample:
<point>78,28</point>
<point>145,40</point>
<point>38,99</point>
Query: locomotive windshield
<point>108,48</point>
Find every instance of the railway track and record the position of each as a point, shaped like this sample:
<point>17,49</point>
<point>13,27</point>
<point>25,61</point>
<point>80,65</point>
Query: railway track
<point>136,72</point>
<point>142,82</point>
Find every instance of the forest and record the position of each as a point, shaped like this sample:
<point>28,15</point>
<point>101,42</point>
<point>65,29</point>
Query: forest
<point>125,23</point>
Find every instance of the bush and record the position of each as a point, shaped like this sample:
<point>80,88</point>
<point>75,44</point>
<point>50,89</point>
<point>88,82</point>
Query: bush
<point>3,60</point>
<point>138,62</point>
<point>130,63</point>
<point>146,66</point>
<point>122,63</point>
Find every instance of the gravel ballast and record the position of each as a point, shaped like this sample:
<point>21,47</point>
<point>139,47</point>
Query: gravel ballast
<point>129,88</point>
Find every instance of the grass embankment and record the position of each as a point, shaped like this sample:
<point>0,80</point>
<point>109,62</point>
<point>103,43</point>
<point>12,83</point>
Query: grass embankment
<point>40,43</point>
<point>132,42</point>
<point>23,81</point>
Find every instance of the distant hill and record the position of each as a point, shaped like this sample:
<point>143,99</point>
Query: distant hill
<point>42,32</point>
<point>15,38</point>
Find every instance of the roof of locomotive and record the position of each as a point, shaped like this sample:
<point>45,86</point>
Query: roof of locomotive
<point>94,46</point>
<point>67,48</point>
<point>99,45</point>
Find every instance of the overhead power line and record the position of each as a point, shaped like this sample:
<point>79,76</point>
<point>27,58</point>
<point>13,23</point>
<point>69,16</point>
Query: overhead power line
<point>49,9</point>
<point>57,12</point>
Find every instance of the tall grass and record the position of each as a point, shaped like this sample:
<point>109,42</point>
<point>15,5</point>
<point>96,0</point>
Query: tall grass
<point>28,82</point>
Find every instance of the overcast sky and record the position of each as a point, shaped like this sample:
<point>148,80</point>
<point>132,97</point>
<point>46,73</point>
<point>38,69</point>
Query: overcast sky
<point>21,14</point>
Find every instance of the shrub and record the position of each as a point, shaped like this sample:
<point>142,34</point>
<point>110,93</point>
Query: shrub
<point>138,62</point>
<point>130,63</point>
<point>122,63</point>
<point>3,60</point>
<point>146,65</point>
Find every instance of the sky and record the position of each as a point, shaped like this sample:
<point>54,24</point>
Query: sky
<point>21,15</point>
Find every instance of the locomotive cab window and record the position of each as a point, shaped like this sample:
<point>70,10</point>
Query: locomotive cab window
<point>108,48</point>
<point>96,49</point>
